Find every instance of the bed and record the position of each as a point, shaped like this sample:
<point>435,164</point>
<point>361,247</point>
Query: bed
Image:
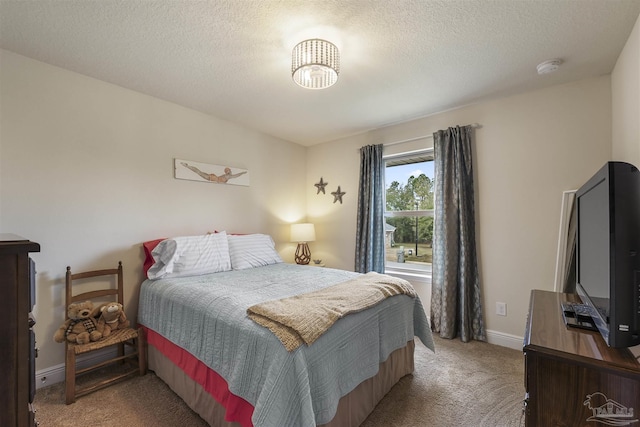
<point>234,372</point>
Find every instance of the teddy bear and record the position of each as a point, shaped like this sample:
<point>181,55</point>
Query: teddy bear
<point>80,327</point>
<point>111,316</point>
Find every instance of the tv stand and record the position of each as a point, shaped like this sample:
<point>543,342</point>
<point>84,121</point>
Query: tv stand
<point>572,378</point>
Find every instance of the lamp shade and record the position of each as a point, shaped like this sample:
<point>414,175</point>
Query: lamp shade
<point>303,233</point>
<point>315,64</point>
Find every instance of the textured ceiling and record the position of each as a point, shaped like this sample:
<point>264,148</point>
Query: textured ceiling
<point>400,59</point>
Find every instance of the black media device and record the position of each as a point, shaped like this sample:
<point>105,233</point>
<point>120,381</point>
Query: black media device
<point>607,252</point>
<point>578,315</point>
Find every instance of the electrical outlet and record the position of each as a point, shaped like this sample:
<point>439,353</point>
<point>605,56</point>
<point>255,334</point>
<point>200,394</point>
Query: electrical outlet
<point>501,308</point>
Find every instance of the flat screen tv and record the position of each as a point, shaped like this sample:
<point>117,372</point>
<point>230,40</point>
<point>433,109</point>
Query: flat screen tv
<point>607,252</point>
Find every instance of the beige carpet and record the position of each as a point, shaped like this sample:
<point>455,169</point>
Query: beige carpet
<point>473,384</point>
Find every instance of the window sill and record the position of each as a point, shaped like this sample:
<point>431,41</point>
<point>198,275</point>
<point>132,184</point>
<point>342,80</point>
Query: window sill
<point>420,272</point>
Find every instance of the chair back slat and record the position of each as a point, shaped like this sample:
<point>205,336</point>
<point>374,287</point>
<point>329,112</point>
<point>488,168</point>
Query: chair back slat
<point>95,273</point>
<point>95,294</point>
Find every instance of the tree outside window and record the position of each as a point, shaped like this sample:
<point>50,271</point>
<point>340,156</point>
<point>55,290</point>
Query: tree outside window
<point>409,212</point>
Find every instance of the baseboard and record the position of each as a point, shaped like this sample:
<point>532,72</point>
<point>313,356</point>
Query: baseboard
<point>505,340</point>
<point>55,374</point>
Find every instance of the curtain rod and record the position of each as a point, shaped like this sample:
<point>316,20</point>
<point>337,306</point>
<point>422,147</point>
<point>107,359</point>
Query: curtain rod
<point>473,125</point>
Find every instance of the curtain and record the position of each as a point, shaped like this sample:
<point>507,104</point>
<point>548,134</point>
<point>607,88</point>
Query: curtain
<point>370,223</point>
<point>456,305</point>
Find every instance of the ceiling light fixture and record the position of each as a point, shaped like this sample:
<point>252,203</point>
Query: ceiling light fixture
<point>549,66</point>
<point>315,64</point>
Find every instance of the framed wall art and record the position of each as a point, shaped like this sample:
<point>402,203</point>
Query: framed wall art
<point>204,172</point>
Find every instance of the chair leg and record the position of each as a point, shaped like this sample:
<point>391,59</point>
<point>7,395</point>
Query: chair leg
<point>70,376</point>
<point>121,351</point>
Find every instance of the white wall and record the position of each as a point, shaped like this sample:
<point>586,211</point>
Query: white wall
<point>86,170</point>
<point>531,148</point>
<point>625,89</point>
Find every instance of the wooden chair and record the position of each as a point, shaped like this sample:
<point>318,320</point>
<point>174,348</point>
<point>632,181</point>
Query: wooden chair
<point>111,282</point>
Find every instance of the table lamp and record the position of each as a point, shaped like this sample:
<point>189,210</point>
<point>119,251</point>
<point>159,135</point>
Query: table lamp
<point>303,233</point>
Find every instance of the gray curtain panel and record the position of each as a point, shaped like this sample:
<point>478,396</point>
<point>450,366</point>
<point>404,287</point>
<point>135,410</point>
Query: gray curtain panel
<point>456,304</point>
<point>370,223</point>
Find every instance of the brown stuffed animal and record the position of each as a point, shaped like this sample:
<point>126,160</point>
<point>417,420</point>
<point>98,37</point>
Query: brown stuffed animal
<point>111,317</point>
<point>80,327</point>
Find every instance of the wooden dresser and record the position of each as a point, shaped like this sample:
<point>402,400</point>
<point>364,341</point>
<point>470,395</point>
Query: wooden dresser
<point>572,378</point>
<point>17,348</point>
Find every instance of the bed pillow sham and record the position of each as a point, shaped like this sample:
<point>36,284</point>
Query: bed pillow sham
<point>190,256</point>
<point>252,250</point>
<point>148,258</point>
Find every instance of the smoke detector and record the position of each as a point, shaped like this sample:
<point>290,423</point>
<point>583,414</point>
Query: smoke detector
<point>549,66</point>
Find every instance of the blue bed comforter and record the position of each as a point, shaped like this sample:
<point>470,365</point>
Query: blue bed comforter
<point>206,315</point>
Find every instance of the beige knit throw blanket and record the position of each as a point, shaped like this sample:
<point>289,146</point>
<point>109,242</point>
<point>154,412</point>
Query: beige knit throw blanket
<point>302,319</point>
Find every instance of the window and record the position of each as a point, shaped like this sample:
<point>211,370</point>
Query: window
<point>409,180</point>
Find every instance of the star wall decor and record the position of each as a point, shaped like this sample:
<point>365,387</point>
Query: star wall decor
<point>337,195</point>
<point>320,186</point>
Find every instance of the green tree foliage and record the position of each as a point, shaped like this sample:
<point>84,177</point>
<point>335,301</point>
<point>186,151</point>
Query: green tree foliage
<point>422,190</point>
<point>403,198</point>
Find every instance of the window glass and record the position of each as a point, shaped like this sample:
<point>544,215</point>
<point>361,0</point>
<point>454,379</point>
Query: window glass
<point>409,182</point>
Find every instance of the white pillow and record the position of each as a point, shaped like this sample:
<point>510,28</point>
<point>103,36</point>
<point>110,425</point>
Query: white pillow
<point>190,256</point>
<point>252,250</point>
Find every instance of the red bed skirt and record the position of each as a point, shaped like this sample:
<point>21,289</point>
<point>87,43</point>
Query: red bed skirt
<point>237,409</point>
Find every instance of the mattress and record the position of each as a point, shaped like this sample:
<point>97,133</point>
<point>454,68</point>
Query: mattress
<point>205,317</point>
